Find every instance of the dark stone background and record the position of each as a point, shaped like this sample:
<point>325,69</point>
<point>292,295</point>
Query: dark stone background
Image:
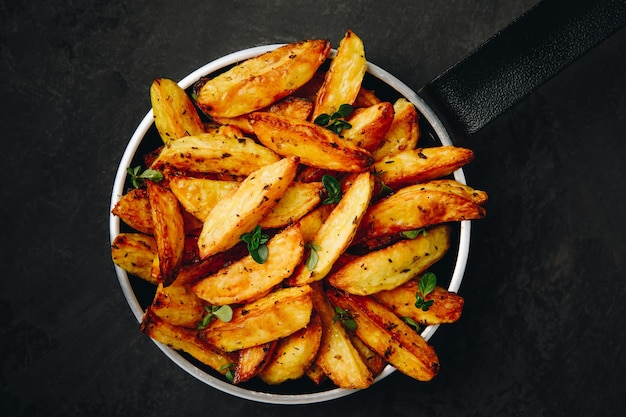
<point>543,329</point>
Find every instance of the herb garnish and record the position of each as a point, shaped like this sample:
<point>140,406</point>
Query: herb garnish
<point>345,318</point>
<point>335,122</point>
<point>333,189</point>
<point>425,286</point>
<point>138,178</point>
<point>230,373</point>
<point>412,234</point>
<point>385,190</point>
<point>311,261</point>
<point>256,242</point>
<point>224,313</point>
<point>412,323</point>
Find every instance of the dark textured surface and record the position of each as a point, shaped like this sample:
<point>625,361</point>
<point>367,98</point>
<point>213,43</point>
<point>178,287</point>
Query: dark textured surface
<point>543,329</point>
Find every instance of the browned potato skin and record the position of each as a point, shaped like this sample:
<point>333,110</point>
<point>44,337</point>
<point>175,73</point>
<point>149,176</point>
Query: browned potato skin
<point>252,360</point>
<point>134,253</point>
<point>169,231</point>
<point>403,133</point>
<point>454,187</point>
<point>133,208</point>
<point>369,125</point>
<point>178,305</point>
<point>262,81</point>
<point>447,307</point>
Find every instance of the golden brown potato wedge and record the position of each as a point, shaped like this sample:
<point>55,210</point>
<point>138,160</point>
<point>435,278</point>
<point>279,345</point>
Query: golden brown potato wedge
<point>294,354</point>
<point>134,253</point>
<point>169,231</point>
<point>375,363</point>
<point>389,336</point>
<point>454,187</point>
<point>175,116</point>
<point>393,265</point>
<point>336,233</point>
<point>412,208</point>
<point>366,98</point>
<point>403,133</point>
<point>242,210</point>
<point>421,165</point>
<point>187,340</point>
<point>214,152</point>
<point>270,318</point>
<point>315,373</point>
<point>178,305</point>
<point>315,145</point>
<point>337,356</point>
<point>133,208</point>
<point>447,307</point>
<point>251,361</point>
<point>344,77</point>
<point>199,195</point>
<point>258,82</point>
<point>369,125</point>
<point>246,280</point>
<point>299,199</point>
<point>312,222</point>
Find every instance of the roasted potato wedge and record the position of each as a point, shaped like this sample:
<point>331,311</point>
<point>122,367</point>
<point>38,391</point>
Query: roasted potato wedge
<point>315,145</point>
<point>294,354</point>
<point>385,333</point>
<point>374,362</point>
<point>252,360</point>
<point>178,305</point>
<point>133,208</point>
<point>421,165</point>
<point>344,77</point>
<point>134,253</point>
<point>454,187</point>
<point>403,133</point>
<point>369,125</point>
<point>169,231</point>
<point>175,115</point>
<point>336,233</point>
<point>263,80</point>
<point>394,265</point>
<point>246,280</point>
<point>270,318</point>
<point>240,211</point>
<point>447,307</point>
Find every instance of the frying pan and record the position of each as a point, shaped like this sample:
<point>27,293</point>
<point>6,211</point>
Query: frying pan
<point>456,105</point>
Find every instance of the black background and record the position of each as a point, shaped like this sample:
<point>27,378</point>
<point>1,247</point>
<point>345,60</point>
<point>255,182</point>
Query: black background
<point>543,329</point>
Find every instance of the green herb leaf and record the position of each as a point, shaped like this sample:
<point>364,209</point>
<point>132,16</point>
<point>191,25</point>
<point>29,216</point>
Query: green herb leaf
<point>256,243</point>
<point>412,323</point>
<point>334,122</point>
<point>333,189</point>
<point>230,372</point>
<point>345,318</point>
<point>138,178</point>
<point>385,190</point>
<point>412,234</point>
<point>224,313</point>
<point>311,261</point>
<point>425,286</point>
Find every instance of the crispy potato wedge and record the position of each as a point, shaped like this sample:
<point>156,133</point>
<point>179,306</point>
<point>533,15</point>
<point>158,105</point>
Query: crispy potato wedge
<point>299,199</point>
<point>344,77</point>
<point>251,361</point>
<point>270,318</point>
<point>315,145</point>
<point>337,357</point>
<point>421,165</point>
<point>178,305</point>
<point>133,208</point>
<point>242,210</point>
<point>175,116</point>
<point>134,253</point>
<point>369,125</point>
<point>258,82</point>
<point>403,133</point>
<point>315,373</point>
<point>454,187</point>
<point>389,336</point>
<point>394,265</point>
<point>336,234</point>
<point>412,208</point>
<point>186,340</point>
<point>447,307</point>
<point>366,98</point>
<point>312,221</point>
<point>193,271</point>
<point>169,231</point>
<point>214,152</point>
<point>294,354</point>
<point>246,280</point>
<point>199,195</point>
<point>374,362</point>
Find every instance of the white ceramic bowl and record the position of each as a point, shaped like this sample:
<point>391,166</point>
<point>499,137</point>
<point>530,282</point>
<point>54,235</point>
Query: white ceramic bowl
<point>137,294</point>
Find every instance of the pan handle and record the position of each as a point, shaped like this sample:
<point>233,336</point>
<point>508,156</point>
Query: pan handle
<point>518,59</point>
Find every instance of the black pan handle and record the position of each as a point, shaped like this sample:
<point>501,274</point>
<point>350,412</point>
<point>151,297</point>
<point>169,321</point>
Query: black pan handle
<point>518,59</point>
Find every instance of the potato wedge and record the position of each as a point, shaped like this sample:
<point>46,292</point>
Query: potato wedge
<point>394,265</point>
<point>389,336</point>
<point>270,318</point>
<point>454,187</point>
<point>199,195</point>
<point>312,222</point>
<point>134,253</point>
<point>193,271</point>
<point>178,305</point>
<point>133,208</point>
<point>169,231</point>
<point>336,233</point>
<point>403,133</point>
<point>421,165</point>
<point>369,125</point>
<point>315,145</point>
<point>175,116</point>
<point>258,82</point>
<point>412,208</point>
<point>447,307</point>
<point>242,210</point>
<point>344,77</point>
<point>374,362</point>
<point>246,280</point>
<point>252,360</point>
<point>186,340</point>
<point>294,354</point>
<point>214,152</point>
<point>299,199</point>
